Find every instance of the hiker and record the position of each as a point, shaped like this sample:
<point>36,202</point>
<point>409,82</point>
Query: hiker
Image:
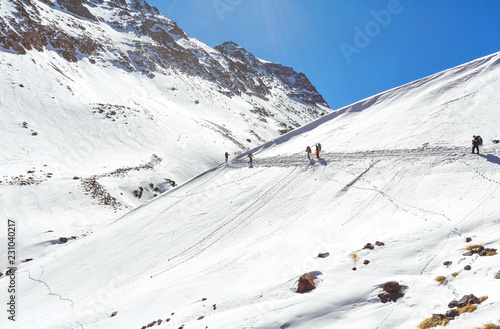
<point>318,148</point>
<point>227,156</point>
<point>475,144</point>
<point>250,156</point>
<point>308,151</point>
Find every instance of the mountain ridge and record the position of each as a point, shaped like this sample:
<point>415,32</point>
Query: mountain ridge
<point>162,45</point>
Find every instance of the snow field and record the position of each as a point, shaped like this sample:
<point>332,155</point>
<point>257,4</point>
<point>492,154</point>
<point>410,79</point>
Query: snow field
<point>209,239</point>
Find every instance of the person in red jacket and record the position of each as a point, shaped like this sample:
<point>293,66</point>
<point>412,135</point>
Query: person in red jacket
<point>318,148</point>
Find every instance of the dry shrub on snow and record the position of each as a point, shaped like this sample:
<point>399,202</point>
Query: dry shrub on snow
<point>482,299</point>
<point>474,246</point>
<point>429,323</point>
<point>441,279</point>
<point>489,326</point>
<point>469,308</point>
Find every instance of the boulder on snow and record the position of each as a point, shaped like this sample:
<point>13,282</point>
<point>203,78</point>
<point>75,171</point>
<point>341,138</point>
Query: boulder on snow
<point>438,317</point>
<point>369,246</point>
<point>306,283</point>
<point>384,297</point>
<point>498,275</point>
<point>451,314</point>
<point>366,262</point>
<point>488,252</point>
<point>323,255</point>
<point>114,313</point>
<point>379,244</point>
<point>467,267</point>
<point>392,286</point>
<point>63,239</point>
<point>389,296</point>
<point>447,263</point>
<point>11,271</point>
<point>468,239</point>
<point>468,299</point>
<point>392,292</point>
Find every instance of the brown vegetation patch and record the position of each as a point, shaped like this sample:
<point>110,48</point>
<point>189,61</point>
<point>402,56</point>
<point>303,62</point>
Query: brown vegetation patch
<point>469,308</point>
<point>441,279</point>
<point>429,323</point>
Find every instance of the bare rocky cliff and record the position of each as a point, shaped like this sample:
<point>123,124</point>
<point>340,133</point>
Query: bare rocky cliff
<point>159,46</point>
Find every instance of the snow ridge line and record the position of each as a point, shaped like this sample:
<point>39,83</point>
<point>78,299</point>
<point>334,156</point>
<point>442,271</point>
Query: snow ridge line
<point>207,237</point>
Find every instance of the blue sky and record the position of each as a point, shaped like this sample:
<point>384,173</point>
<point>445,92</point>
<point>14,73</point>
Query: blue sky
<point>349,49</point>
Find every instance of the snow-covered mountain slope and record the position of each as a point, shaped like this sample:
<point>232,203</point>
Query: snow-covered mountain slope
<point>105,104</point>
<point>442,110</point>
<point>226,248</point>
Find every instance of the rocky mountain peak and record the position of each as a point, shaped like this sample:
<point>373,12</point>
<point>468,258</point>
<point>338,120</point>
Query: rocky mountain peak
<point>233,49</point>
<point>150,43</point>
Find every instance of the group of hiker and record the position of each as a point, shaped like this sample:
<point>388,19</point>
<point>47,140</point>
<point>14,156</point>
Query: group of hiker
<point>318,149</point>
<point>250,157</point>
<point>476,141</point>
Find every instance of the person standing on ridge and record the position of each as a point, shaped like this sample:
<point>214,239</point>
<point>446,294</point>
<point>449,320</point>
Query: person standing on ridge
<point>308,151</point>
<point>475,144</point>
<point>318,148</point>
<point>250,156</point>
<point>227,156</point>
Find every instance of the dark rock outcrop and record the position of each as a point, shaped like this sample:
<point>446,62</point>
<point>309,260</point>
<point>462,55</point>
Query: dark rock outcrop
<point>392,292</point>
<point>369,246</point>
<point>451,314</point>
<point>466,299</point>
<point>392,286</point>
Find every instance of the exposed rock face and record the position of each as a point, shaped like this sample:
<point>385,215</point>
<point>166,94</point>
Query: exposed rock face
<point>74,29</point>
<point>247,66</point>
<point>306,283</point>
